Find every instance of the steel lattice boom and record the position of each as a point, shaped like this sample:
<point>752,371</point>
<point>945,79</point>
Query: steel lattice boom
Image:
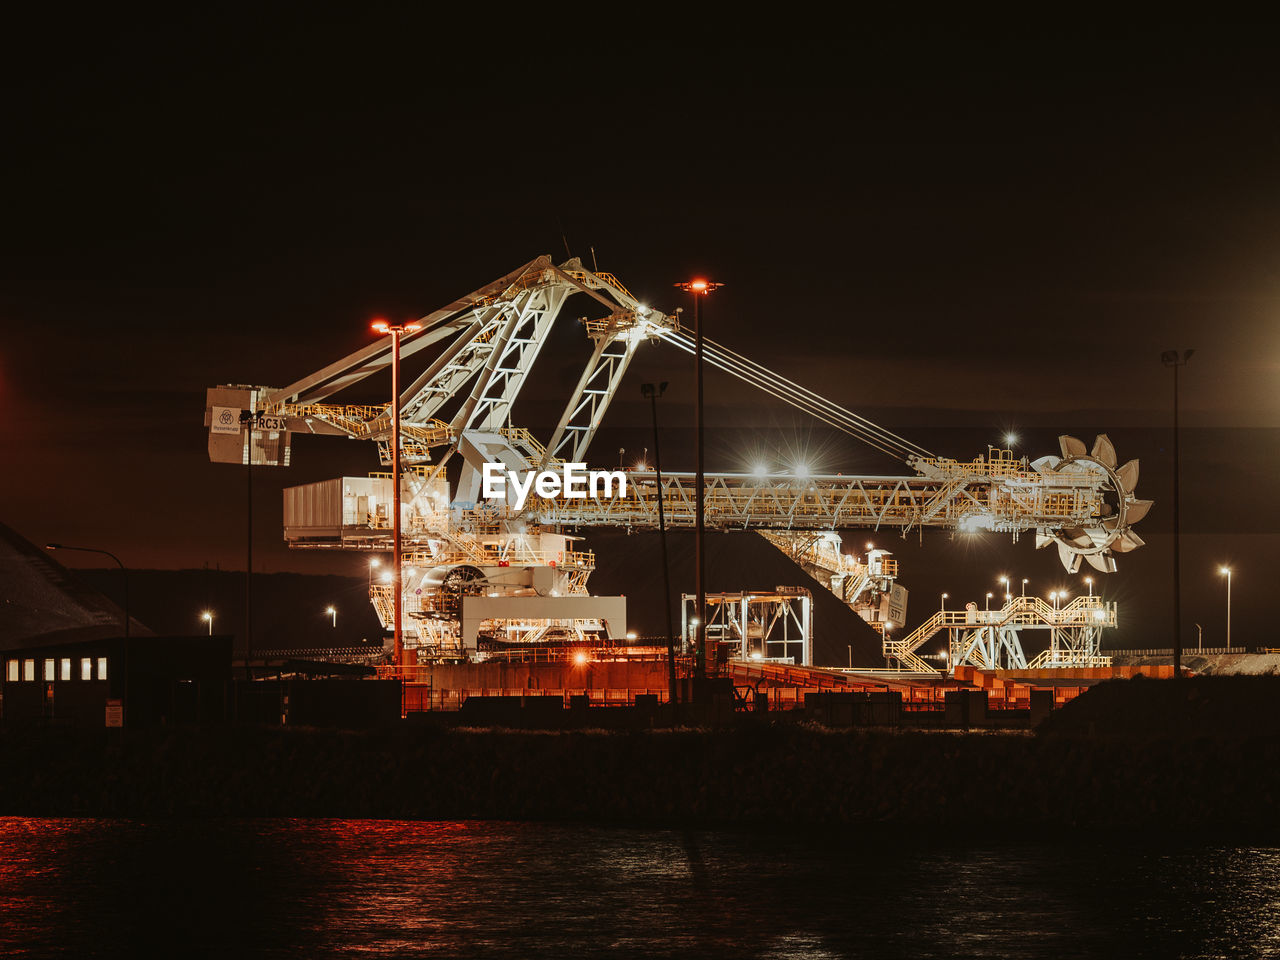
<point>475,356</point>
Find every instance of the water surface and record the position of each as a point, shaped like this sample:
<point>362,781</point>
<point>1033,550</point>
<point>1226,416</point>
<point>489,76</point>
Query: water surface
<point>339,888</point>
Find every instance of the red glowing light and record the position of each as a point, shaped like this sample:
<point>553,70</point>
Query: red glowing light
<point>380,326</point>
<point>412,327</point>
<point>580,658</point>
<point>699,285</point>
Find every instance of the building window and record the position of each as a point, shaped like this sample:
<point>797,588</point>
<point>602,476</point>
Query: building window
<point>66,669</point>
<point>86,668</point>
<point>28,669</point>
<point>11,671</point>
<point>49,669</point>
<point>102,668</point>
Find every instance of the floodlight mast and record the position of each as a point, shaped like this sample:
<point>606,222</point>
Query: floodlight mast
<point>396,331</point>
<point>699,288</point>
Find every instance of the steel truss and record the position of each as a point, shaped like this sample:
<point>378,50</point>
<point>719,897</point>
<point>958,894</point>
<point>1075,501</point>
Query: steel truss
<point>479,352</point>
<point>991,639</point>
<point>774,626</point>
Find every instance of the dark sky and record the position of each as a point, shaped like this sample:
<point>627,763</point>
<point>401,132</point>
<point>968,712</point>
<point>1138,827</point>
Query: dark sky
<point>951,228</point>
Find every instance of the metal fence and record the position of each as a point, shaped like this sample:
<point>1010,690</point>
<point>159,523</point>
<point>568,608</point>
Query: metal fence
<point>1186,651</point>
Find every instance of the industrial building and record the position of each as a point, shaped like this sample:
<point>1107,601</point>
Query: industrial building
<point>68,655</point>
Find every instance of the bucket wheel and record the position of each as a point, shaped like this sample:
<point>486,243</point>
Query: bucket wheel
<point>1112,529</point>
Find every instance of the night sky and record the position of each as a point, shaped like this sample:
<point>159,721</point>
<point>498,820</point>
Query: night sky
<point>952,230</point>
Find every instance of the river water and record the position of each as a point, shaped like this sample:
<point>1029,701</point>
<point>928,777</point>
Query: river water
<point>373,889</point>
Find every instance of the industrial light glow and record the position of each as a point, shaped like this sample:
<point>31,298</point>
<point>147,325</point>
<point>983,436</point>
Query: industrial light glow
<point>698,285</point>
<point>760,470</point>
<point>579,658</point>
<point>802,470</point>
<point>381,326</point>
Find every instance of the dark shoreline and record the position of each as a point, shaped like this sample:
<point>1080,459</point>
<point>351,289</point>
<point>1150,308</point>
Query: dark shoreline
<point>1187,756</point>
<point>789,775</point>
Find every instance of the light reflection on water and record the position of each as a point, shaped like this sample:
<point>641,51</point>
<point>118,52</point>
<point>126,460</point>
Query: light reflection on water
<point>329,888</point>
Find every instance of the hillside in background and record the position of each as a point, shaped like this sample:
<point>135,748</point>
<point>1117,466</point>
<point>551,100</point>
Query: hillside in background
<point>289,607</point>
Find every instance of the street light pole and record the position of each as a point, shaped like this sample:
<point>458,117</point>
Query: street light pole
<point>124,574</point>
<point>207,617</point>
<point>333,612</point>
<point>396,331</point>
<point>653,391</point>
<point>1172,358</point>
<point>699,288</point>
<point>1227,571</point>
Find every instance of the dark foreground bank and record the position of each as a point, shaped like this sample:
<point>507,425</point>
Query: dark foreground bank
<point>1135,754</point>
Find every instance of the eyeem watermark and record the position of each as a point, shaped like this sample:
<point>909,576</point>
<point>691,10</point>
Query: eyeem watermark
<point>571,480</point>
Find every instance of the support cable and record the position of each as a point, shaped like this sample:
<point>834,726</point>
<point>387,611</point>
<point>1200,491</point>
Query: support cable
<point>802,398</point>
